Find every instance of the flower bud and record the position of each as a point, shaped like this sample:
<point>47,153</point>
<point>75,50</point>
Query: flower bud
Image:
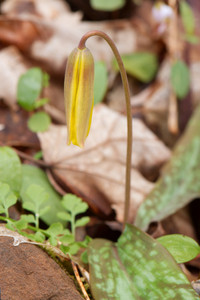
<point>79,95</point>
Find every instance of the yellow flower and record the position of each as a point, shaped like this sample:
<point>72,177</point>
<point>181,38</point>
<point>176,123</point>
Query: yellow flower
<point>79,97</point>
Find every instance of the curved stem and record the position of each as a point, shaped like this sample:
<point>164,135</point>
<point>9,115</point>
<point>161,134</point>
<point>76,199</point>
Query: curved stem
<point>128,111</point>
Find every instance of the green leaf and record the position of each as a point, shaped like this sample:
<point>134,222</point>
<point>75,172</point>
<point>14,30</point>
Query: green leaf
<point>82,221</point>
<point>73,204</point>
<point>64,216</point>
<point>22,223</point>
<point>53,240</point>
<point>180,79</point>
<point>46,79</point>
<point>10,169</point>
<point>7,198</point>
<point>36,197</point>
<point>29,88</point>
<point>136,267</point>
<point>181,247</point>
<point>107,5</point>
<point>34,175</point>
<point>187,17</point>
<point>73,248</point>
<point>191,38</point>
<point>38,237</point>
<point>142,65</point>
<point>84,257</point>
<point>67,239</point>
<point>179,183</point>
<point>100,81</point>
<point>38,155</point>
<point>55,229</point>
<point>39,122</point>
<point>41,102</point>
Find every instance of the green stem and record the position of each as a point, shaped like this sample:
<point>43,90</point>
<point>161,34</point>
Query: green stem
<point>73,225</point>
<point>128,111</point>
<point>35,229</point>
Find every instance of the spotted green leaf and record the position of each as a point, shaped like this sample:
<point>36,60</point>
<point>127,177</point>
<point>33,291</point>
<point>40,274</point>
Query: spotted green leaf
<point>180,181</point>
<point>181,247</point>
<point>136,267</point>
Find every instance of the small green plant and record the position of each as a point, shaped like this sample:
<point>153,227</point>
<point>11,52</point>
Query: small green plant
<point>29,90</point>
<point>56,234</point>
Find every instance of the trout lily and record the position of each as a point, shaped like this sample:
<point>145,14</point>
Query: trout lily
<point>79,95</point>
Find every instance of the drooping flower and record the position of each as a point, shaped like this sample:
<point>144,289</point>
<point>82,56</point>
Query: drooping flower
<point>79,95</point>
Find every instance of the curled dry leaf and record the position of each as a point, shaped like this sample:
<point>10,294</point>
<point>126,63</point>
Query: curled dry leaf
<point>97,172</point>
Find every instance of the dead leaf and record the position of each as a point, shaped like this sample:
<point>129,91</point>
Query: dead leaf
<point>12,65</point>
<point>97,172</point>
<point>18,32</point>
<point>15,131</point>
<point>67,28</point>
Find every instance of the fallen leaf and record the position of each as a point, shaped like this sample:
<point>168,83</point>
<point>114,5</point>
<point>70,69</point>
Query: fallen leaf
<point>15,131</point>
<point>63,38</point>
<point>21,33</point>
<point>97,172</point>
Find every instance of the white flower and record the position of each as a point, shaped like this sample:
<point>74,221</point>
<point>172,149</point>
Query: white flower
<point>162,12</point>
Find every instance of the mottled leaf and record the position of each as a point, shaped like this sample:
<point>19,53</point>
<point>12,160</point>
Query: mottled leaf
<point>181,247</point>
<point>10,169</point>
<point>136,267</point>
<point>180,182</point>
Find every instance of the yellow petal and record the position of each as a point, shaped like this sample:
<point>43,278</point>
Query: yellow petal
<point>78,90</point>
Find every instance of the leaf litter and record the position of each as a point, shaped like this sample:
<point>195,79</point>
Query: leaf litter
<point>96,173</point>
<point>100,166</point>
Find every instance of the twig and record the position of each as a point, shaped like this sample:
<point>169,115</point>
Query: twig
<point>78,278</point>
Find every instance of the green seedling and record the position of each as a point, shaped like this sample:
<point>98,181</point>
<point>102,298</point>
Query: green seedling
<point>29,90</point>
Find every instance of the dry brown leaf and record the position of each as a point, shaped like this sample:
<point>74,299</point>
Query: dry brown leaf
<point>67,28</point>
<point>12,65</point>
<point>97,171</point>
<point>154,100</point>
